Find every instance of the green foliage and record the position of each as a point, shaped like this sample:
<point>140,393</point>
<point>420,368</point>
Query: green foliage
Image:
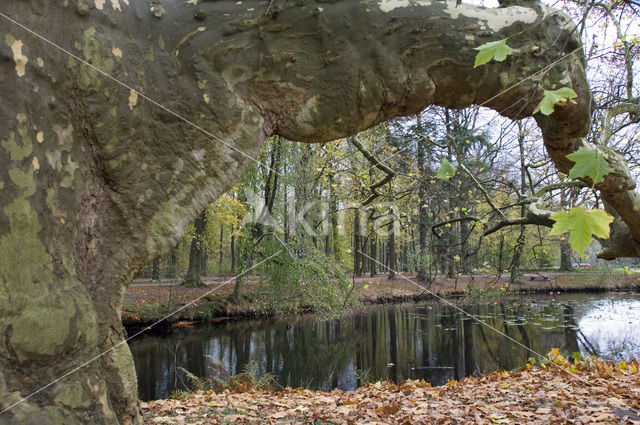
<point>496,50</point>
<point>196,383</point>
<point>266,382</point>
<point>247,380</point>
<point>446,170</point>
<point>555,97</point>
<point>309,281</point>
<point>208,307</point>
<point>363,375</point>
<point>178,394</point>
<point>589,163</point>
<point>581,224</point>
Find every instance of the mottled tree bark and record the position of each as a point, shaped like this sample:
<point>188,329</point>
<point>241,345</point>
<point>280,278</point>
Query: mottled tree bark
<point>96,180</point>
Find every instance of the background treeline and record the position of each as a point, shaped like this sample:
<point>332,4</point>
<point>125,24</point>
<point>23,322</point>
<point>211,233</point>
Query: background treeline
<point>387,199</point>
<point>440,193</point>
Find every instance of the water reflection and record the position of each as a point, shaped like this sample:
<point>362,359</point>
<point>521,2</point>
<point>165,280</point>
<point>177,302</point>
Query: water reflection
<point>429,341</point>
<point>611,328</point>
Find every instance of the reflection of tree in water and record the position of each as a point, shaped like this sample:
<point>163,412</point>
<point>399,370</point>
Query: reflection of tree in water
<point>431,342</point>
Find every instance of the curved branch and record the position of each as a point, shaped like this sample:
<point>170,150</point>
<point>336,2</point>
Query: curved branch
<point>453,220</point>
<point>390,174</point>
<point>613,111</point>
<point>535,215</point>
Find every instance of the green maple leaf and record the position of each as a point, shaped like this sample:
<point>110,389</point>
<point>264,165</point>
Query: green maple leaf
<point>446,170</point>
<point>589,163</point>
<point>555,97</point>
<point>497,50</point>
<point>581,224</point>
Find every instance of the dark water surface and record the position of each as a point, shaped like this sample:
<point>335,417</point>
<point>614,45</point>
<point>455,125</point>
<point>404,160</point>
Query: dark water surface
<point>428,340</point>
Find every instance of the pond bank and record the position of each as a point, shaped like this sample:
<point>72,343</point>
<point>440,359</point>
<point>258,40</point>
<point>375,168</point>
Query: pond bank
<point>585,391</point>
<point>147,302</point>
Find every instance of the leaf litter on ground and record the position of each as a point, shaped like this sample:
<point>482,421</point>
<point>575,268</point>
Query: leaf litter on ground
<point>594,391</point>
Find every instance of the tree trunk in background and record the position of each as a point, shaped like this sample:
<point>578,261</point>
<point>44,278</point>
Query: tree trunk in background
<point>392,252</point>
<point>155,270</point>
<point>356,244</point>
<point>98,181</point>
<point>566,256</point>
<point>405,256</point>
<point>566,252</point>
<point>333,217</point>
<point>327,243</point>
<point>363,249</point>
<point>220,257</point>
<point>423,214</point>
<point>517,254</point>
<point>517,251</point>
<point>451,261</point>
<point>192,278</point>
<point>203,262</point>
<point>383,254</point>
<point>500,266</point>
<point>373,266</point>
<point>173,264</point>
<point>466,265</point>
<point>233,254</point>
<point>287,222</point>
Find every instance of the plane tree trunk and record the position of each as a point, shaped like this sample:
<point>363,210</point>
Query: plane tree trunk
<point>96,180</point>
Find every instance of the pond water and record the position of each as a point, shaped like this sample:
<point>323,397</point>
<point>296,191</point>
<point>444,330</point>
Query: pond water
<point>430,341</point>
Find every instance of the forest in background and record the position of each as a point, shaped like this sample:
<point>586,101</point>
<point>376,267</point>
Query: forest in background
<point>445,192</point>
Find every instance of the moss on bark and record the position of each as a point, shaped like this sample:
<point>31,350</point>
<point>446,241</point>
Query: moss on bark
<point>79,214</point>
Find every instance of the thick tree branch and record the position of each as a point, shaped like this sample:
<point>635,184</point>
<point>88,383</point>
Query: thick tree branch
<point>535,215</point>
<point>610,113</point>
<point>451,221</point>
<point>556,186</point>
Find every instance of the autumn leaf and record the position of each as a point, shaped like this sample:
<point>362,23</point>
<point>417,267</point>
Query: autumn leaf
<point>446,170</point>
<point>387,409</point>
<point>496,397</point>
<point>496,50</point>
<point>581,225</point>
<point>555,97</point>
<point>589,163</point>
